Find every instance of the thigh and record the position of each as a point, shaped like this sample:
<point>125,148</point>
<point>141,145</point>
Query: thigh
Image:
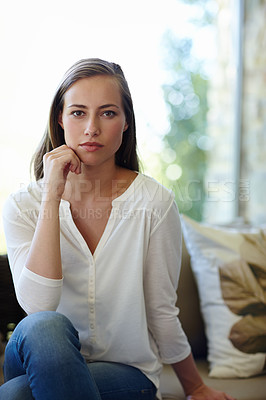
<point>16,389</point>
<point>117,381</point>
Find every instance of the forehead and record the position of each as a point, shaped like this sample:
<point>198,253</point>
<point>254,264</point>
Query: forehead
<point>96,89</point>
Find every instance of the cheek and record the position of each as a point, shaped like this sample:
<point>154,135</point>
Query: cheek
<point>69,130</point>
<point>69,125</point>
<point>116,135</point>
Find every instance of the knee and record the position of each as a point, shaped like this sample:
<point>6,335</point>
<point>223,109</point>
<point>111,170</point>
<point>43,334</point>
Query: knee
<point>42,340</point>
<point>16,389</point>
<point>45,324</point>
<point>45,320</point>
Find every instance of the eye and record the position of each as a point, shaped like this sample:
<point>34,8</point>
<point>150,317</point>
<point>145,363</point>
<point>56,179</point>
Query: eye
<point>78,113</point>
<point>109,114</point>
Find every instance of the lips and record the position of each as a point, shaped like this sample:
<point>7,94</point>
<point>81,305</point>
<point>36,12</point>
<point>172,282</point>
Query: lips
<point>91,146</point>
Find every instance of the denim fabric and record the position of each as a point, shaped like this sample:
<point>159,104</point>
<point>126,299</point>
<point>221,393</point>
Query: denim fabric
<point>43,362</point>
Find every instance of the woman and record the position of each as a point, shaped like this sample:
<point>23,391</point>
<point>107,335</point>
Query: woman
<point>94,248</point>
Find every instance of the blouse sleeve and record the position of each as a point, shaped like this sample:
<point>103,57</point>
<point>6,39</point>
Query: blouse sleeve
<point>34,292</point>
<point>161,274</point>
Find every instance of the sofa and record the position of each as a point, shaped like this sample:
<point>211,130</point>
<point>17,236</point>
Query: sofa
<point>190,305</point>
<point>253,388</point>
<point>206,250</point>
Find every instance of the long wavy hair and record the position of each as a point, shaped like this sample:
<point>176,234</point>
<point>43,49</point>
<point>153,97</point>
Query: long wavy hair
<point>126,155</point>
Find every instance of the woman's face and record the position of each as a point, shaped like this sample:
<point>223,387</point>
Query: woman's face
<point>93,119</point>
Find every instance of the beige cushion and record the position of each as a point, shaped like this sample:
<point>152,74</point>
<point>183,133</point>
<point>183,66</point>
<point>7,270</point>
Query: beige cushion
<point>211,249</point>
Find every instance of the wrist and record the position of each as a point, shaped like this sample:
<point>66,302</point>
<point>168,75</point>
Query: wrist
<point>49,208</point>
<point>188,375</point>
<point>53,191</point>
<point>197,388</point>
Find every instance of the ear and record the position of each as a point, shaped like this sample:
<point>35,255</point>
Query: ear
<point>125,126</point>
<point>60,120</point>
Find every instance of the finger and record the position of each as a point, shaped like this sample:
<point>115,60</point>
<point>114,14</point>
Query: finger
<point>78,169</point>
<point>76,165</point>
<point>66,157</point>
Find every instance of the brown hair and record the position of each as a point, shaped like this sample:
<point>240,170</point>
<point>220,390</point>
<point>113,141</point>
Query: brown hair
<point>126,155</point>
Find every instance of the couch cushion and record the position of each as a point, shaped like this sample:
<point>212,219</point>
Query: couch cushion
<point>214,255</point>
<point>189,305</point>
<point>10,311</point>
<point>242,389</point>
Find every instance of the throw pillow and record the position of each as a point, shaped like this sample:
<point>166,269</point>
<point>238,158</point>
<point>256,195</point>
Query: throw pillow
<point>230,271</point>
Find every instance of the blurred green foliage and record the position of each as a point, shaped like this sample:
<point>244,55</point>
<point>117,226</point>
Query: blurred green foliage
<point>186,143</point>
<point>186,98</point>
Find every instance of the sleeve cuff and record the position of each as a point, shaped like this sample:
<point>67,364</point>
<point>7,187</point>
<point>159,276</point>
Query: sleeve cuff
<point>41,279</point>
<point>180,357</point>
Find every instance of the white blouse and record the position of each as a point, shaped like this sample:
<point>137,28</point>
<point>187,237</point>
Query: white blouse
<point>122,298</point>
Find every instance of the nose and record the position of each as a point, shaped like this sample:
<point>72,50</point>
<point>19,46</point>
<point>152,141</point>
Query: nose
<point>91,128</point>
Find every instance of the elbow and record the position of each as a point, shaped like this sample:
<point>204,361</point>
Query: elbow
<point>35,293</point>
<point>32,301</point>
<point>31,307</point>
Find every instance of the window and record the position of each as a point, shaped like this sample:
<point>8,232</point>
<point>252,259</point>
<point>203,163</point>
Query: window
<point>179,59</point>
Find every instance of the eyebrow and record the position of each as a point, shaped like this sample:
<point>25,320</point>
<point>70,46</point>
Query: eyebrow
<point>85,107</point>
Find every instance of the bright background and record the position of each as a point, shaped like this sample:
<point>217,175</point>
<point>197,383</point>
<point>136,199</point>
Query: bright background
<point>41,40</point>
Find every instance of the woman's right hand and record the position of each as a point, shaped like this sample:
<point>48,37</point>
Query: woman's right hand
<point>57,164</point>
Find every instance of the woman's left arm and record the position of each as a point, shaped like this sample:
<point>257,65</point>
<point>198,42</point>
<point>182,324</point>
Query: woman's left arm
<point>193,385</point>
<point>161,275</point>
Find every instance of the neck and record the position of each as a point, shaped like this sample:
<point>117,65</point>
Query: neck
<point>97,184</point>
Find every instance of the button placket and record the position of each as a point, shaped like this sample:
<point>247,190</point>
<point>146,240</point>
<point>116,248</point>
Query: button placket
<point>91,301</point>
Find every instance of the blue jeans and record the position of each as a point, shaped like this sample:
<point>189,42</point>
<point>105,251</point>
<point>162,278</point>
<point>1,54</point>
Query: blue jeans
<point>43,362</point>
